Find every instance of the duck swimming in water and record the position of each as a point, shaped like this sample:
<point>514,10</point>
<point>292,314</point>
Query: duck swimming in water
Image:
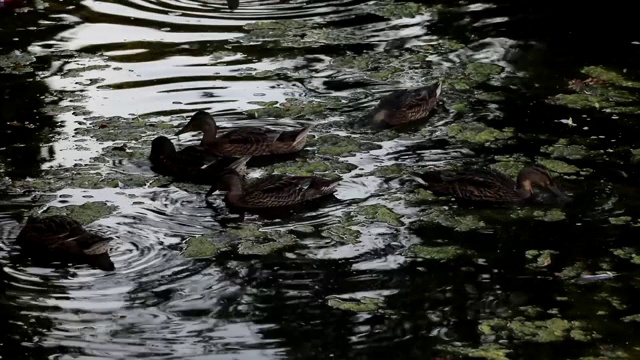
<point>191,164</point>
<point>271,192</point>
<point>59,237</point>
<point>251,141</point>
<point>406,106</point>
<point>489,185</point>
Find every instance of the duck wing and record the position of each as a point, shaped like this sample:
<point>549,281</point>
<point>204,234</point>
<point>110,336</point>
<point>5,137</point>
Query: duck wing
<point>249,135</point>
<point>277,190</point>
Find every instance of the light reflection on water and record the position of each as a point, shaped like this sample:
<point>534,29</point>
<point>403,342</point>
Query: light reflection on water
<point>163,60</point>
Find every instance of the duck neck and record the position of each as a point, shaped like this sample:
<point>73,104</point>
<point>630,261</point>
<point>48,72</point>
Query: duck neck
<point>523,188</point>
<point>234,192</point>
<point>210,132</point>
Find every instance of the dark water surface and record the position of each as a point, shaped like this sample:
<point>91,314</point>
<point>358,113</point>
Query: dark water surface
<point>388,272</point>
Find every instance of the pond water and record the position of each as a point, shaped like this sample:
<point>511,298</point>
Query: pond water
<point>390,270</point>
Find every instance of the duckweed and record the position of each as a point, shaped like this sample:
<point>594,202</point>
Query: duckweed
<point>439,253</point>
<point>365,304</point>
<point>380,213</point>
<point>478,133</point>
<point>85,213</point>
<point>203,246</point>
<point>342,234</point>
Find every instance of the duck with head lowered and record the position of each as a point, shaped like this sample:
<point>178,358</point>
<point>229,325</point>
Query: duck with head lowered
<point>489,185</point>
<point>406,106</point>
<point>251,141</point>
<point>271,193</point>
<point>61,238</point>
<point>191,164</point>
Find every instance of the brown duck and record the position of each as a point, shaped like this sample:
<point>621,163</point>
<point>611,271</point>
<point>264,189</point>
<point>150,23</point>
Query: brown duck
<point>252,141</point>
<point>192,164</point>
<point>59,237</point>
<point>272,192</point>
<point>488,185</point>
<point>406,106</point>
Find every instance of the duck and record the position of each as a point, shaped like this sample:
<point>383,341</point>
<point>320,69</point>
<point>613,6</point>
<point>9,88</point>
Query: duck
<point>489,185</point>
<point>406,106</point>
<point>246,141</point>
<point>273,192</point>
<point>192,163</point>
<point>63,238</point>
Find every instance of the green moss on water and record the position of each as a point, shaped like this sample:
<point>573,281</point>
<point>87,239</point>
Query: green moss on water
<point>621,220</point>
<point>365,304</point>
<point>342,234</point>
<point>398,10</point>
<point>380,213</point>
<point>444,217</point>
<point>627,253</point>
<point>563,150</point>
<point>85,213</point>
<point>265,248</point>
<point>460,107</point>
<point>117,128</point>
<point>254,241</point>
<point>478,133</point>
<point>292,108</point>
<point>540,258</point>
<point>541,331</point>
<point>480,72</point>
<point>484,351</point>
<point>603,73</point>
<point>329,168</point>
<point>420,196</point>
<point>204,246</point>
<point>439,253</point>
<point>337,145</point>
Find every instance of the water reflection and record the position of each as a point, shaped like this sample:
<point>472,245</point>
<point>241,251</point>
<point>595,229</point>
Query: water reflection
<point>157,62</point>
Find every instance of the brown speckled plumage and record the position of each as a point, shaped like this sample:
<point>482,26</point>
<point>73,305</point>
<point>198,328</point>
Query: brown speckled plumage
<point>274,191</point>
<point>251,141</point>
<point>405,106</point>
<point>488,185</point>
<point>62,237</point>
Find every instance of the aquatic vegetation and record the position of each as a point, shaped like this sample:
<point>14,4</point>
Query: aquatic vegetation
<point>478,133</point>
<point>484,351</point>
<point>365,304</point>
<point>541,258</point>
<point>439,253</point>
<point>342,234</point>
<point>380,213</point>
<point>204,246</point>
<point>550,330</point>
<point>85,213</point>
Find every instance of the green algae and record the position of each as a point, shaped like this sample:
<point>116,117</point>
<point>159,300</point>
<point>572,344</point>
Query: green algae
<point>608,75</point>
<point>481,72</point>
<point>291,108</point>
<point>541,258</point>
<point>387,171</point>
<point>16,62</point>
<point>330,168</point>
<point>550,215</point>
<point>338,145</point>
<point>204,246</point>
<point>484,351</point>
<point>621,220</point>
<point>439,253</point>
<point>444,217</point>
<point>627,253</point>
<point>364,304</point>
<point>398,10</point>
<point>541,331</point>
<point>478,133</point>
<point>380,213</point>
<point>563,150</point>
<point>460,107</point>
<point>118,128</point>
<point>420,196</point>
<point>85,213</point>
<point>247,239</point>
<point>342,234</point>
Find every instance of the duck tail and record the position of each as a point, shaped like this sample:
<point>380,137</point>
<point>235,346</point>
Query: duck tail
<point>240,165</point>
<point>330,187</point>
<point>418,178</point>
<point>302,135</point>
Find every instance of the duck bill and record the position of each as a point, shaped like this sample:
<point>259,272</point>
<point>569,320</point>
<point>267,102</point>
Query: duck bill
<point>185,129</point>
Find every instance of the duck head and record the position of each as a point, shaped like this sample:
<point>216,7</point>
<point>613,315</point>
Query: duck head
<point>162,146</point>
<point>538,175</point>
<point>200,121</point>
